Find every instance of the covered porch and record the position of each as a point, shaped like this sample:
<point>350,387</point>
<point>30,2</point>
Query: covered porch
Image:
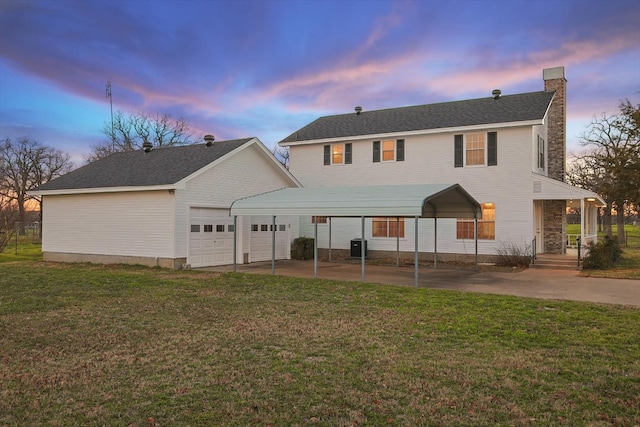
<point>551,199</point>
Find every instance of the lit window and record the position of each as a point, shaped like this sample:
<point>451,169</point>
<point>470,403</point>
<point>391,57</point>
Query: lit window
<point>388,150</point>
<point>337,154</point>
<point>475,149</point>
<point>486,225</point>
<point>387,227</point>
<point>319,219</point>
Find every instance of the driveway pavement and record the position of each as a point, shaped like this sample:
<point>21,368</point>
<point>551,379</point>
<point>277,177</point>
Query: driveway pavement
<point>535,283</point>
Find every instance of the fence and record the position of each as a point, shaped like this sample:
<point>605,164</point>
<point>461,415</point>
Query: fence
<point>21,234</point>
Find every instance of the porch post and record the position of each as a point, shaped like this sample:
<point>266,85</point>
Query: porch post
<point>235,242</point>
<point>583,221</point>
<point>273,246</point>
<point>435,241</point>
<point>415,255</point>
<point>397,241</point>
<point>315,249</point>
<point>362,249</point>
<point>329,239</point>
<point>475,233</point>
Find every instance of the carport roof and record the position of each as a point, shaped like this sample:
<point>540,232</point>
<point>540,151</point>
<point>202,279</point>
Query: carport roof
<point>423,200</point>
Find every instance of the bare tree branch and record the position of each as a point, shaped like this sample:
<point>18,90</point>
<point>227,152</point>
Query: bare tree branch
<point>26,164</point>
<point>130,132</point>
<point>610,165</point>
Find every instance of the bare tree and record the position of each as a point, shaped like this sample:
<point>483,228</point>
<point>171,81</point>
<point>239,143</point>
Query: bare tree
<point>130,132</point>
<point>8,218</point>
<point>611,164</point>
<point>24,165</point>
<point>282,154</point>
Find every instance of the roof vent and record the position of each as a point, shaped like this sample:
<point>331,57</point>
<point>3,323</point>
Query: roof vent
<point>496,93</point>
<point>358,110</point>
<point>147,146</point>
<point>208,139</point>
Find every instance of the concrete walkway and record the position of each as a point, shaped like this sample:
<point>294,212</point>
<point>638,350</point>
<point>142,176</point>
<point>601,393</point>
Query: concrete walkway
<point>535,283</point>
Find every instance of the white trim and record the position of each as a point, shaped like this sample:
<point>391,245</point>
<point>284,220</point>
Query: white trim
<point>107,190</point>
<point>252,141</point>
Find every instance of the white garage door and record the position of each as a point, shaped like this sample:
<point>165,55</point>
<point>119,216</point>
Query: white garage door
<point>210,237</point>
<point>261,238</point>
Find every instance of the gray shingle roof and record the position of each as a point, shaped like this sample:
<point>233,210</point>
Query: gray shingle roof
<point>162,166</point>
<point>508,108</point>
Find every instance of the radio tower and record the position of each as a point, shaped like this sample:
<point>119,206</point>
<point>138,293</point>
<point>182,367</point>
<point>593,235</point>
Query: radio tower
<point>107,88</point>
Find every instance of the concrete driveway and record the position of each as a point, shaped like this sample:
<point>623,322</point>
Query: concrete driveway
<point>535,283</point>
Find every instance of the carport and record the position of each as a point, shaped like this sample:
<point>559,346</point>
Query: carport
<point>406,201</point>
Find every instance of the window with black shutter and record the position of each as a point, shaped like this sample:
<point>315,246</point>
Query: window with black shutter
<point>347,153</point>
<point>492,149</point>
<point>400,150</point>
<point>376,151</point>
<point>458,151</point>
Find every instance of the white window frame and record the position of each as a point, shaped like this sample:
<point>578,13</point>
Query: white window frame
<point>333,154</point>
<point>388,220</point>
<point>468,141</point>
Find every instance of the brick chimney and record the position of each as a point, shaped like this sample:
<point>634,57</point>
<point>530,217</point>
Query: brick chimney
<point>555,219</point>
<point>556,130</point>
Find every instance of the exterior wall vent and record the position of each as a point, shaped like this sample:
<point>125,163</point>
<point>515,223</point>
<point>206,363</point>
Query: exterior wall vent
<point>537,186</point>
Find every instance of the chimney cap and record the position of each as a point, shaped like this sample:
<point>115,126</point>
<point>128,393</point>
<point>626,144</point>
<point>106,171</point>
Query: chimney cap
<point>496,93</point>
<point>208,139</point>
<point>358,110</point>
<point>553,73</point>
<point>147,146</point>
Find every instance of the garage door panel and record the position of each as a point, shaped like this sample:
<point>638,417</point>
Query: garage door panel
<point>209,246</point>
<point>261,239</point>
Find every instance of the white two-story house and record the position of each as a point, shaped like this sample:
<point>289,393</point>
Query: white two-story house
<point>506,151</point>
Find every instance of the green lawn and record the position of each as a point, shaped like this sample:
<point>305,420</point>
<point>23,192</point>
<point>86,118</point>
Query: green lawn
<point>132,346</point>
<point>629,267</point>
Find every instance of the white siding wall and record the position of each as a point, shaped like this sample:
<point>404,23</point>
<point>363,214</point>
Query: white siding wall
<point>131,224</point>
<point>247,173</point>
<point>430,159</point>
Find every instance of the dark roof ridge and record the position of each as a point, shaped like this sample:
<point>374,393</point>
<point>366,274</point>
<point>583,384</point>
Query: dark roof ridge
<point>440,103</point>
<point>512,108</point>
<point>136,168</point>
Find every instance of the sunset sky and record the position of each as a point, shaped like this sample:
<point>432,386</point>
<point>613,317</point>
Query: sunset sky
<point>241,68</point>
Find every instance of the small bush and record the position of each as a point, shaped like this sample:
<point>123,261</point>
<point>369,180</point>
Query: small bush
<point>602,255</point>
<point>513,254</point>
<point>302,248</point>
